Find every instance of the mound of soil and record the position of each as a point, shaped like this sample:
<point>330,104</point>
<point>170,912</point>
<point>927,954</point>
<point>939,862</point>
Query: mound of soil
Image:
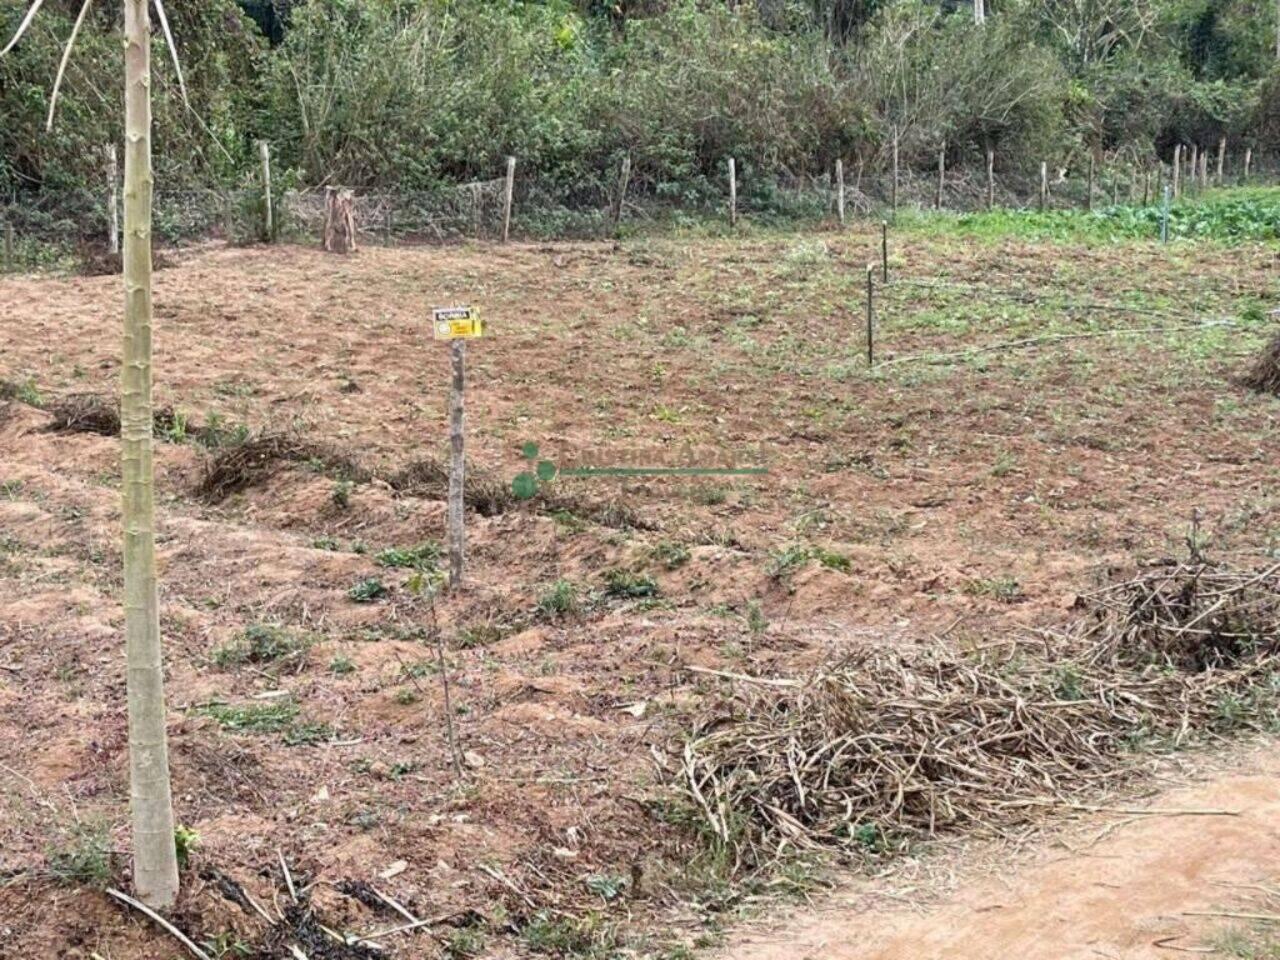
<point>1264,376</point>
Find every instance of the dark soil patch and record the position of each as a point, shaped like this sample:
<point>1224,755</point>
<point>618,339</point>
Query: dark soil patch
<point>235,469</point>
<point>1264,376</point>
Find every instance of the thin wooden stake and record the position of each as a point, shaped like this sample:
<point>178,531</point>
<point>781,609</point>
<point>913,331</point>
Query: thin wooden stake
<point>733,193</point>
<point>457,463</point>
<point>894,198</point>
<point>840,191</point>
<point>1044,184</point>
<point>942,176</point>
<point>1177,170</point>
<point>268,215</point>
<point>1248,162</point>
<point>991,178</point>
<point>1088,196</point>
<point>113,199</point>
<point>508,197</point>
<point>884,249</point>
<point>871,317</point>
<point>624,180</point>
<point>1222,158</point>
<point>1195,165</point>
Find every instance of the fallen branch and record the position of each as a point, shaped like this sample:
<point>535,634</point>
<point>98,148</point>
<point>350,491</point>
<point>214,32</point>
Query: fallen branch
<point>169,927</point>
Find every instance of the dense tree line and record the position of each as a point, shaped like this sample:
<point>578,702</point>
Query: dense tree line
<point>411,93</point>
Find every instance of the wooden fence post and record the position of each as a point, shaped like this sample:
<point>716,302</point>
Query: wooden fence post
<point>1204,170</point>
<point>1044,184</point>
<point>113,199</point>
<point>1177,170</point>
<point>339,221</point>
<point>894,199</point>
<point>942,176</point>
<point>1195,165</point>
<point>871,317</point>
<point>840,190</point>
<point>1088,196</point>
<point>1222,159</point>
<point>508,197</point>
<point>457,463</point>
<point>1248,161</point>
<point>268,215</point>
<point>991,177</point>
<point>733,193</point>
<point>620,202</point>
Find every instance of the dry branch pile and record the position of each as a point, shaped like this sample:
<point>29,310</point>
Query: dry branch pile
<point>243,465</point>
<point>1265,374</point>
<point>890,746</point>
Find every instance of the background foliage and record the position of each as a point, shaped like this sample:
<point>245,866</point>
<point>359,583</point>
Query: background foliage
<point>411,94</point>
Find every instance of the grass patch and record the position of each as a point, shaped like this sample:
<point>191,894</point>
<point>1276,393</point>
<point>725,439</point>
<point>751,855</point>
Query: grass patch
<point>262,643</point>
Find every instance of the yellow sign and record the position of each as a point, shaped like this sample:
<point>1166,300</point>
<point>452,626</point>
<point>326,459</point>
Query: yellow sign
<point>456,323</point>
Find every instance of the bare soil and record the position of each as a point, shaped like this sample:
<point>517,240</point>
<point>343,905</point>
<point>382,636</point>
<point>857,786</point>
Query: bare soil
<point>968,499</point>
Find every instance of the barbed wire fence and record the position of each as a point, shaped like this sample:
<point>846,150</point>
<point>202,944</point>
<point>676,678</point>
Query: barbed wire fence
<point>51,227</point>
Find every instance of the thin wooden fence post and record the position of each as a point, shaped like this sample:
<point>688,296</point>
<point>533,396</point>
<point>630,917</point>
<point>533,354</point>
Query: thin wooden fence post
<point>624,180</point>
<point>733,193</point>
<point>268,214</point>
<point>942,176</point>
<point>1044,184</point>
<point>457,463</point>
<point>1204,170</point>
<point>508,197</point>
<point>840,191</point>
<point>1248,162</point>
<point>894,198</point>
<point>1115,189</point>
<point>871,317</point>
<point>1164,217</point>
<point>1195,166</point>
<point>113,199</point>
<point>1177,169</point>
<point>1222,159</point>
<point>884,249</point>
<point>991,178</point>
<point>1088,196</point>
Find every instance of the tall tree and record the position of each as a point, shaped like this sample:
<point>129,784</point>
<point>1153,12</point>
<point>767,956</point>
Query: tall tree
<point>155,864</point>
<point>155,860</point>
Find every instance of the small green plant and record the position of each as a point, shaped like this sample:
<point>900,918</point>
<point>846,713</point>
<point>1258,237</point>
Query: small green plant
<point>783,563</point>
<point>671,555</point>
<point>629,586</point>
<point>262,643</point>
<point>757,623</point>
<point>1005,463</point>
<point>83,858</point>
<point>326,543</point>
<point>479,635</point>
<point>185,841</point>
<point>833,560</point>
<point>1005,589</point>
<point>559,599</point>
<point>368,590</point>
<point>28,393</point>
<point>341,495</point>
<point>253,718</point>
<point>425,556</point>
<point>463,944</point>
<point>304,734</point>
<point>1068,684</point>
<point>606,886</point>
<point>406,696</point>
<point>341,666</point>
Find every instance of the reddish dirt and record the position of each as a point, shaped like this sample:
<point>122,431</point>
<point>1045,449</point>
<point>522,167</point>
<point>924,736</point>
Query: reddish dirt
<point>975,499</point>
<point>1122,890</point>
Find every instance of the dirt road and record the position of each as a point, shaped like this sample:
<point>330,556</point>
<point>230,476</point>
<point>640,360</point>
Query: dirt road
<point>1124,896</point>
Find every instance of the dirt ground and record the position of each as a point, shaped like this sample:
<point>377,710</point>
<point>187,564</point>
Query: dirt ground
<point>971,497</point>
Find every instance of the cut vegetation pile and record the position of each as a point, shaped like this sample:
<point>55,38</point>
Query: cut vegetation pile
<point>886,747</point>
<point>1265,374</point>
<point>235,468</point>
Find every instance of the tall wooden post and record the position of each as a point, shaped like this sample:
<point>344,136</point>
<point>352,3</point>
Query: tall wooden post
<point>624,180</point>
<point>1044,184</point>
<point>894,197</point>
<point>113,199</point>
<point>871,317</point>
<point>840,191</point>
<point>1177,170</point>
<point>1248,162</point>
<point>979,11</point>
<point>942,176</point>
<point>1204,170</point>
<point>1222,159</point>
<point>733,192</point>
<point>1088,196</point>
<point>508,198</point>
<point>884,249</point>
<point>457,463</point>
<point>991,177</point>
<point>268,214</point>
<point>1195,166</point>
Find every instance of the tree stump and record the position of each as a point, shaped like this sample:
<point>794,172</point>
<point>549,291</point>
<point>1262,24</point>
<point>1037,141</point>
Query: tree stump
<point>339,224</point>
